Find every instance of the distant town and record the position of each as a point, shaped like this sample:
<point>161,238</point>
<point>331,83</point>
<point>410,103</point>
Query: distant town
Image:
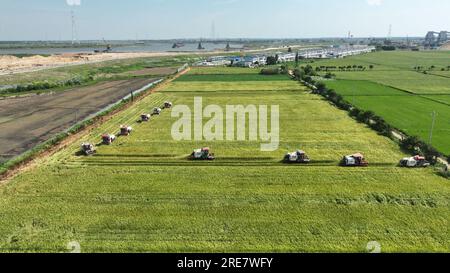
<point>280,57</point>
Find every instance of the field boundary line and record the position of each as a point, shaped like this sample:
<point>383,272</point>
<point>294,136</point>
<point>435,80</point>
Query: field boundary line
<point>31,162</point>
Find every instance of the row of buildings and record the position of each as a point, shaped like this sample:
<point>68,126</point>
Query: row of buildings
<point>261,59</point>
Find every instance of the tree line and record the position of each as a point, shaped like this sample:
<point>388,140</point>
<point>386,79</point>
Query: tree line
<point>343,68</point>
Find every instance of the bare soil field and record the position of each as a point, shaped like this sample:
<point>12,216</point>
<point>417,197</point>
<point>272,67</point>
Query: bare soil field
<point>28,121</point>
<point>13,65</point>
<point>153,71</point>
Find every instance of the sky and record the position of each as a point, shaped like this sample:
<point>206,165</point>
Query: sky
<point>167,19</point>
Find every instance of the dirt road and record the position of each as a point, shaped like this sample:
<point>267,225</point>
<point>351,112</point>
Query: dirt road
<point>27,121</point>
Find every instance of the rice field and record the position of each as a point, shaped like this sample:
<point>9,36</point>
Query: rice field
<point>141,194</point>
<point>407,112</point>
<point>402,96</point>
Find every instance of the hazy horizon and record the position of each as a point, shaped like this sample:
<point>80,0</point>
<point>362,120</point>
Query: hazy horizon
<point>50,20</point>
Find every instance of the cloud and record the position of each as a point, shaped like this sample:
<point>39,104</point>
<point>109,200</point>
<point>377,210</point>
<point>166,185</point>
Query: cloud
<point>73,2</point>
<point>374,2</point>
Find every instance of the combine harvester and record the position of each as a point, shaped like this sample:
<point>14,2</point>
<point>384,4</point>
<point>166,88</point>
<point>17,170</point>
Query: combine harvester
<point>299,157</point>
<point>355,160</point>
<point>125,130</point>
<point>167,105</point>
<point>202,154</point>
<point>108,139</point>
<point>414,162</point>
<point>156,111</point>
<point>145,117</point>
<point>88,149</point>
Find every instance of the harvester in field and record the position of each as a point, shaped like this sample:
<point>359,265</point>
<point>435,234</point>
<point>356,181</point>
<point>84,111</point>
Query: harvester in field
<point>87,149</point>
<point>355,160</point>
<point>202,154</point>
<point>299,157</point>
<point>167,105</point>
<point>145,117</point>
<point>108,139</point>
<point>414,162</point>
<point>125,130</point>
<point>156,111</point>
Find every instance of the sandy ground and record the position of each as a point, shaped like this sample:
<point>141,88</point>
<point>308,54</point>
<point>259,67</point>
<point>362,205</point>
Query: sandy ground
<point>445,46</point>
<point>13,65</point>
<point>27,121</point>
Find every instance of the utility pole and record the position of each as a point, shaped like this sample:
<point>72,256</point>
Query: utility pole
<point>76,116</point>
<point>433,123</point>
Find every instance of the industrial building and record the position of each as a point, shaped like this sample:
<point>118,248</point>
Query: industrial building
<point>436,39</point>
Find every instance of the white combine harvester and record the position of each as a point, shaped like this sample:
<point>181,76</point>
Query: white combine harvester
<point>202,154</point>
<point>125,130</point>
<point>414,162</point>
<point>87,149</point>
<point>355,160</point>
<point>156,111</point>
<point>167,105</point>
<point>145,117</point>
<point>297,157</point>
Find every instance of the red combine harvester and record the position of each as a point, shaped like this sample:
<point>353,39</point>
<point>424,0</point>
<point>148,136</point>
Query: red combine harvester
<point>355,160</point>
<point>415,162</point>
<point>108,139</point>
<point>125,130</point>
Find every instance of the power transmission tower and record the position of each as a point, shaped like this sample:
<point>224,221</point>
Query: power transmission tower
<point>74,28</point>
<point>390,32</point>
<point>213,30</point>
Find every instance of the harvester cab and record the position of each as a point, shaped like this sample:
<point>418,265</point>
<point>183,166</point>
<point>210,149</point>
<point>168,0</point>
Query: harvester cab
<point>125,130</point>
<point>156,111</point>
<point>87,149</point>
<point>297,157</point>
<point>145,117</point>
<point>414,162</point>
<point>202,154</point>
<point>355,160</point>
<point>108,139</point>
<point>168,105</point>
